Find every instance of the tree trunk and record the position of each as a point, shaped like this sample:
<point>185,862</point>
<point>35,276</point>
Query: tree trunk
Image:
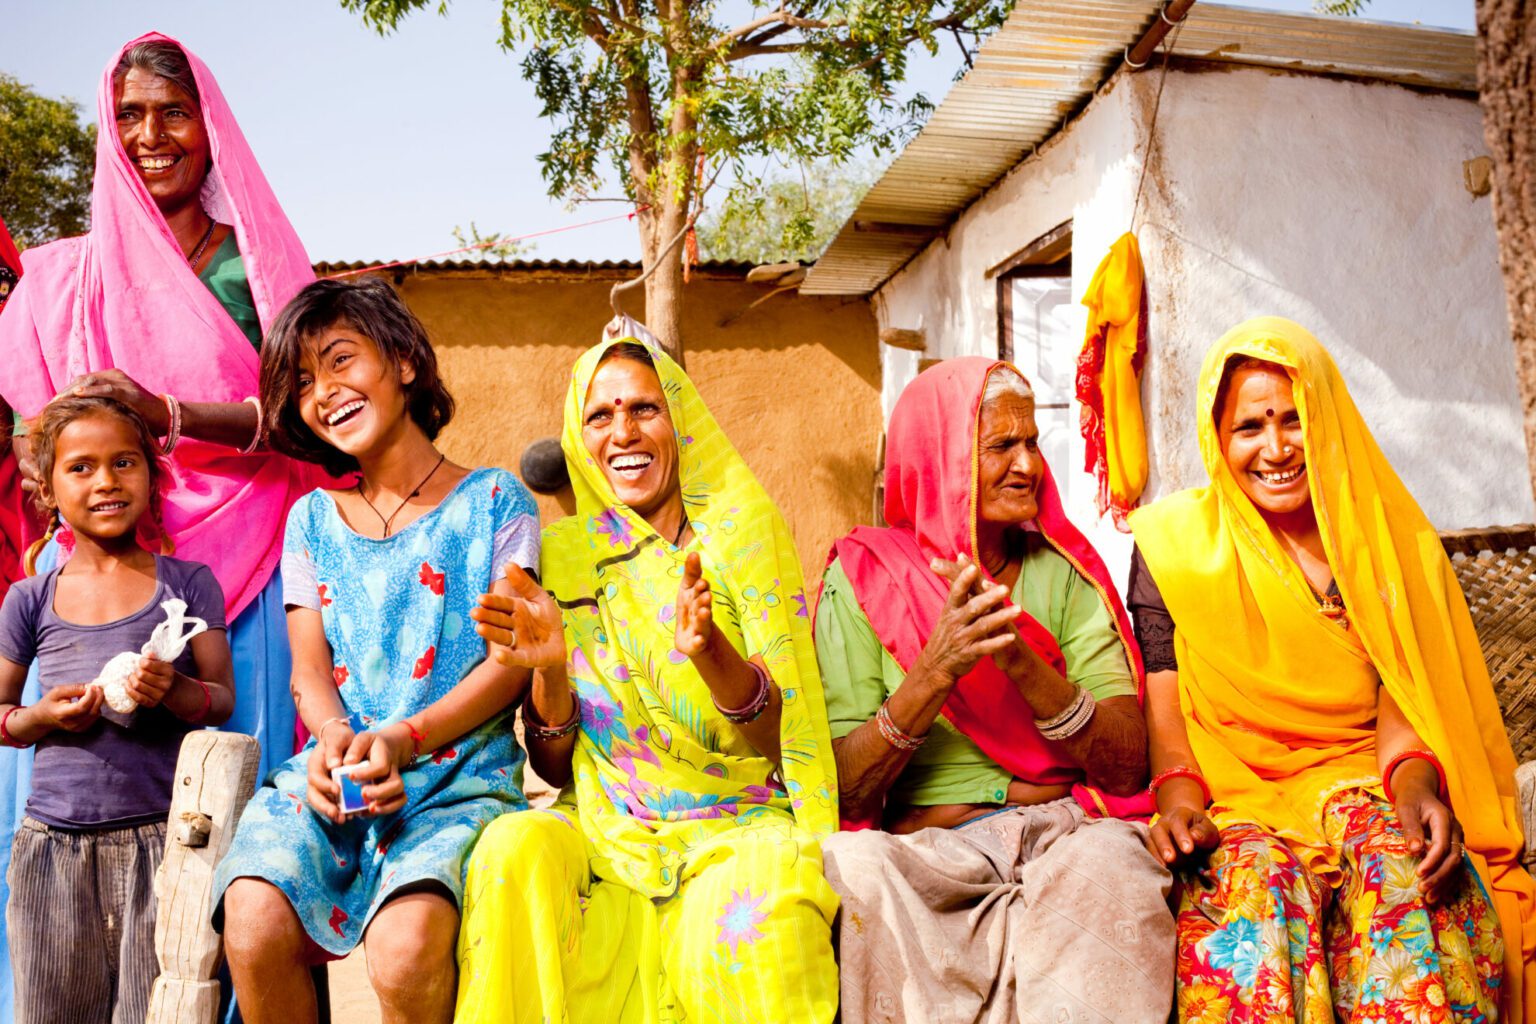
<point>664,288</point>
<point>1506,78</point>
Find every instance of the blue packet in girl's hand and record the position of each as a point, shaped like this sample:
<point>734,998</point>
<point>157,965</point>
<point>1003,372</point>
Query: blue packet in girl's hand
<point>352,801</point>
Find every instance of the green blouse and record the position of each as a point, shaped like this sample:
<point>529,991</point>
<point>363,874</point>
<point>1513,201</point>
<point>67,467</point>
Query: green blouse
<point>950,768</point>
<point>224,276</point>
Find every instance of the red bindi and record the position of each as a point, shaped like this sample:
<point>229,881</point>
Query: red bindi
<point>619,402</point>
<point>1270,413</point>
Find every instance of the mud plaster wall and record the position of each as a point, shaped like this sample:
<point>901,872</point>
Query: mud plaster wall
<point>795,383</point>
<point>1341,205</point>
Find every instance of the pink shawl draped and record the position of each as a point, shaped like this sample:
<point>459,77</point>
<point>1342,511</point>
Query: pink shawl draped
<point>13,514</point>
<point>123,296</point>
<point>930,472</point>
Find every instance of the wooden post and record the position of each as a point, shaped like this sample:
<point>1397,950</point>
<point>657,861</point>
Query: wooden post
<point>215,776</point>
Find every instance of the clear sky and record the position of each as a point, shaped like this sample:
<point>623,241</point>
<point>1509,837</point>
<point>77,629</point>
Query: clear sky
<point>378,147</point>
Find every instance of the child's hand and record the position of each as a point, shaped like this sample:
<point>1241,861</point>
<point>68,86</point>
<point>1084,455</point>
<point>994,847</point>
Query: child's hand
<point>383,754</point>
<point>523,630</point>
<point>695,619</point>
<point>151,681</point>
<point>330,748</point>
<point>73,708</point>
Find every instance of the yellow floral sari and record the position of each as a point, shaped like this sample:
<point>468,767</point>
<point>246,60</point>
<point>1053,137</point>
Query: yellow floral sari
<point>679,876</point>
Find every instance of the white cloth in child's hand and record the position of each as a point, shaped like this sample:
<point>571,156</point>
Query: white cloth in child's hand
<point>166,643</point>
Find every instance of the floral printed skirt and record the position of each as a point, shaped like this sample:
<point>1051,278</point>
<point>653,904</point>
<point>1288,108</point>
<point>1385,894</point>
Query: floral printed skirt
<point>1261,939</point>
<point>747,937</point>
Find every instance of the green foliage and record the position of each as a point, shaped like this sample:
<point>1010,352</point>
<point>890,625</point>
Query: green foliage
<point>787,218</point>
<point>46,161</point>
<point>644,87</point>
<point>1346,8</point>
<point>493,246</point>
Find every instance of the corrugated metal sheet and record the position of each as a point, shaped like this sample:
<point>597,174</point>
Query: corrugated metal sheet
<point>1044,65</point>
<point>606,268</point>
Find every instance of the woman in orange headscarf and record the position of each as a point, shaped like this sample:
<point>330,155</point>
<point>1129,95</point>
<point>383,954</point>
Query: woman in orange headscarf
<point>1322,722</point>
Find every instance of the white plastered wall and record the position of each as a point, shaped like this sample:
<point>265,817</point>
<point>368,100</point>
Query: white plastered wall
<point>1336,203</point>
<point>1343,206</point>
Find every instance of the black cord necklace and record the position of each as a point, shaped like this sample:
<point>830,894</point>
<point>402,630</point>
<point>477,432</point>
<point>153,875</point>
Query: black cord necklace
<point>403,503</point>
<point>680,530</point>
<point>197,253</point>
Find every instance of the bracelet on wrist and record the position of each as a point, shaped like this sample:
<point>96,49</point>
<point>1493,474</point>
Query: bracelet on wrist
<point>536,728</point>
<point>1180,771</point>
<point>5,732</point>
<point>261,427</point>
<point>173,424</point>
<point>753,709</point>
<point>1070,720</point>
<point>320,732</point>
<point>207,702</point>
<point>1409,755</point>
<point>418,738</point>
<point>892,733</point>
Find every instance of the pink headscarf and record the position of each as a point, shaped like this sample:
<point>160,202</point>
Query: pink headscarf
<point>929,482</point>
<point>123,296</point>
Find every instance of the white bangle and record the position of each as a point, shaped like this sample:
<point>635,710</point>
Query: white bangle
<point>259,436</point>
<point>173,428</point>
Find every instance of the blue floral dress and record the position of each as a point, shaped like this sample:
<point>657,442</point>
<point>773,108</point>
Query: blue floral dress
<point>396,615</point>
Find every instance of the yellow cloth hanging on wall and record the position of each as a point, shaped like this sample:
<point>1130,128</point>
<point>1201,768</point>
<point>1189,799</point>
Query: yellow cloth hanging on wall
<point>1109,379</point>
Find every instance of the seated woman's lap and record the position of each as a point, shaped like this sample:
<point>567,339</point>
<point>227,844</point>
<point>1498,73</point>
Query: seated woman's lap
<point>1372,911</point>
<point>756,901</point>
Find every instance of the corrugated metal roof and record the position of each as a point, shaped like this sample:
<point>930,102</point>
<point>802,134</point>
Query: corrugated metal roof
<point>604,267</point>
<point>1046,62</point>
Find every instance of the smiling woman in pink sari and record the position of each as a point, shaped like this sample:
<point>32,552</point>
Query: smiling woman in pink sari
<point>161,306</point>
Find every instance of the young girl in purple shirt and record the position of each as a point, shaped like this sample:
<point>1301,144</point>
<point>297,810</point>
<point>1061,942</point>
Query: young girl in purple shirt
<point>82,909</point>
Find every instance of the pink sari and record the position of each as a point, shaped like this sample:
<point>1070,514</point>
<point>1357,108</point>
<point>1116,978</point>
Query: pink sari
<point>929,487</point>
<point>123,296</point>
<point>13,514</point>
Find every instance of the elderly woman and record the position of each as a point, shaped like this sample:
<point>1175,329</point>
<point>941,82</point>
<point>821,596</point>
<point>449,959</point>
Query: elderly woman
<point>677,699</point>
<point>983,691</point>
<point>1322,725</point>
<point>161,307</point>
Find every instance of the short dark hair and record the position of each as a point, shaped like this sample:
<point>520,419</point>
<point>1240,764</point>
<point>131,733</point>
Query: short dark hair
<point>370,307</point>
<point>167,60</point>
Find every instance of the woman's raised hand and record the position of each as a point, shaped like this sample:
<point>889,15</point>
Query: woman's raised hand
<point>1432,831</point>
<point>695,624</point>
<point>118,385</point>
<point>523,629</point>
<point>976,621</point>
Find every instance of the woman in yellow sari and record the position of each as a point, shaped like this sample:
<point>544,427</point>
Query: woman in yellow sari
<point>676,697</point>
<point>1322,722</point>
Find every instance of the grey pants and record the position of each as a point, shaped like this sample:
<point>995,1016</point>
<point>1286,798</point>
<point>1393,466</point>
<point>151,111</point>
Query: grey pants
<point>1032,915</point>
<point>81,923</point>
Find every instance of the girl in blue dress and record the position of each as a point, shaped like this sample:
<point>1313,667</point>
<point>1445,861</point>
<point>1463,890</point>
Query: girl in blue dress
<point>388,672</point>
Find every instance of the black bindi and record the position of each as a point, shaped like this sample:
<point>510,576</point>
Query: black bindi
<point>1270,413</point>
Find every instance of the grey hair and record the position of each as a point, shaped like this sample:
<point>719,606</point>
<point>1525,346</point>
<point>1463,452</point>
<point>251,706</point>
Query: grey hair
<point>1005,380</point>
<point>163,59</point>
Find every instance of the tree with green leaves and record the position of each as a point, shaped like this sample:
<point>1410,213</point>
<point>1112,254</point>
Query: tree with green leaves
<point>46,162</point>
<point>786,218</point>
<point>670,93</point>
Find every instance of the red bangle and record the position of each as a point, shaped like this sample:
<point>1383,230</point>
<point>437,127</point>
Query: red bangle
<point>1408,755</point>
<point>418,738</point>
<point>1179,771</point>
<point>207,703</point>
<point>5,732</point>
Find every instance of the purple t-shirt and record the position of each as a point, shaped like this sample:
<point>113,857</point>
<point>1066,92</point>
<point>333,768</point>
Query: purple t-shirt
<point>119,772</point>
